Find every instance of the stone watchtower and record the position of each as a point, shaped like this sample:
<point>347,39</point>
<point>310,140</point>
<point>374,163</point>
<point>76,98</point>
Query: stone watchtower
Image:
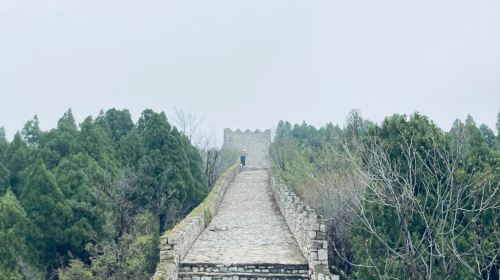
<point>253,145</point>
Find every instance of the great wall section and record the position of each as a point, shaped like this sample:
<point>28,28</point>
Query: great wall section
<point>250,226</point>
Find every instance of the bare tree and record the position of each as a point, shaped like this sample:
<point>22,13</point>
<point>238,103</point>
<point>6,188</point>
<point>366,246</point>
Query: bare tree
<point>422,189</point>
<point>210,155</point>
<point>206,142</point>
<point>120,193</point>
<point>187,122</point>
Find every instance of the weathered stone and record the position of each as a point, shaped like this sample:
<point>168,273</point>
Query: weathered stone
<point>322,228</point>
<point>314,227</point>
<point>320,235</point>
<point>243,229</point>
<point>256,232</point>
<point>255,143</point>
<point>322,254</point>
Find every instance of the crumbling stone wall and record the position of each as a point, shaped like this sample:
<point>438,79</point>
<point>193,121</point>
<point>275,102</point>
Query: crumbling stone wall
<point>256,143</point>
<point>307,227</point>
<point>175,243</point>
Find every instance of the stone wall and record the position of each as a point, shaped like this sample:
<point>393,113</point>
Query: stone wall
<point>256,143</point>
<point>175,243</point>
<point>307,228</point>
<point>243,271</point>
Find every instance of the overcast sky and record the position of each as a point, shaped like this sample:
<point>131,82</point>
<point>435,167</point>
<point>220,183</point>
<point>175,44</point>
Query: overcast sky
<point>248,64</point>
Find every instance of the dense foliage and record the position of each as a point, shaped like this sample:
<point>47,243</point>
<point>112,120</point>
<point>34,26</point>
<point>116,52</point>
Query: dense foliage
<point>90,201</point>
<point>404,199</point>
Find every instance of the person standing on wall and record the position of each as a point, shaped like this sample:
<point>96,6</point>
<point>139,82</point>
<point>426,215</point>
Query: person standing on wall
<point>243,158</point>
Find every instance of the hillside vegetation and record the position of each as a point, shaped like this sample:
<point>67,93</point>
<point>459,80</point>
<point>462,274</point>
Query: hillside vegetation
<point>89,201</point>
<point>403,199</point>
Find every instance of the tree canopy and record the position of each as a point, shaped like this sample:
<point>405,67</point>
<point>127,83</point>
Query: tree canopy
<point>89,201</point>
<point>404,199</point>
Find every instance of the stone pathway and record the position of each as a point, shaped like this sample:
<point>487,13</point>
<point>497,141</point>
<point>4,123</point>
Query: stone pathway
<point>248,228</point>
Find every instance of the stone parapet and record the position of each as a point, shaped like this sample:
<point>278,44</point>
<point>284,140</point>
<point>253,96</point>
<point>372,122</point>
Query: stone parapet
<point>243,271</point>
<point>175,243</point>
<point>307,227</point>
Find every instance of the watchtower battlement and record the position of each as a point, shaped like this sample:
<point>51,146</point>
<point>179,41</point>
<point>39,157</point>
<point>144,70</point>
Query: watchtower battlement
<point>231,135</point>
<point>254,144</point>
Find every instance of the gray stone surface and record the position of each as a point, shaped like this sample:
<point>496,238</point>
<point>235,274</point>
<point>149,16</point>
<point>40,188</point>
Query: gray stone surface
<point>248,227</point>
<point>175,243</point>
<point>256,144</point>
<point>307,228</point>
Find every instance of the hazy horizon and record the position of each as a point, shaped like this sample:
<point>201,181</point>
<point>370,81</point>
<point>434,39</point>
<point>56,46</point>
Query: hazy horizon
<point>250,64</point>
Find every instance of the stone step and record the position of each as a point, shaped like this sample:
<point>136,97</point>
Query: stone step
<point>240,276</point>
<point>205,271</point>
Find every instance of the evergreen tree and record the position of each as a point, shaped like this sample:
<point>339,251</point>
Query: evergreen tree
<point>31,132</point>
<point>79,177</point>
<point>95,197</point>
<point>17,160</point>
<point>96,143</point>
<point>131,149</point>
<point>46,208</point>
<point>14,230</point>
<point>4,171</point>
<point>60,142</point>
<point>117,123</point>
<point>498,131</point>
<point>488,135</point>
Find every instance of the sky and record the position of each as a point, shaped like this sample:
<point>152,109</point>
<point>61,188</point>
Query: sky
<point>249,64</point>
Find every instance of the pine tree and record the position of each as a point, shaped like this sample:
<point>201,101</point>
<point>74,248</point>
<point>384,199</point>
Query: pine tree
<point>131,149</point>
<point>46,208</point>
<point>14,236</point>
<point>60,142</point>
<point>4,171</point>
<point>17,160</point>
<point>31,132</point>
<point>117,123</point>
<point>78,178</point>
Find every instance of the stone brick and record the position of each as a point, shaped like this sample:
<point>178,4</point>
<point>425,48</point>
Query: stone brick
<point>322,228</point>
<point>322,254</point>
<point>314,227</point>
<point>320,235</point>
